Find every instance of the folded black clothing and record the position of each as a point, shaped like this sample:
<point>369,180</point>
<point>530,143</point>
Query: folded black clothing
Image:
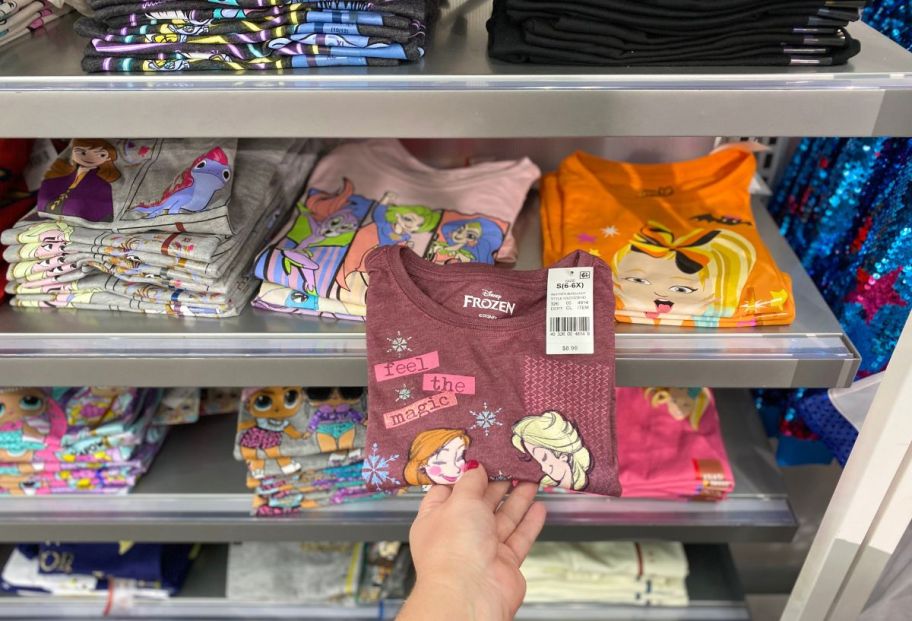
<point>634,37</point>
<point>722,9</point>
<point>238,32</point>
<point>665,57</point>
<point>713,5</point>
<point>507,42</point>
<point>802,13</point>
<point>544,28</point>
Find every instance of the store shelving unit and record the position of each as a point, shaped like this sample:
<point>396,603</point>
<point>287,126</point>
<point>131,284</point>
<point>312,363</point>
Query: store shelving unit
<point>712,587</point>
<point>260,348</point>
<point>195,490</point>
<point>456,80</point>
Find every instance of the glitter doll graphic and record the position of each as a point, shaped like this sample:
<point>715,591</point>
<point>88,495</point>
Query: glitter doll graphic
<point>437,456</point>
<point>697,276</point>
<point>271,410</point>
<point>336,417</point>
<point>81,185</point>
<point>682,403</point>
<point>555,443</point>
<point>24,426</point>
<point>467,240</point>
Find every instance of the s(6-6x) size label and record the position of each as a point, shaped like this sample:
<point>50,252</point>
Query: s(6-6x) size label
<point>569,328</point>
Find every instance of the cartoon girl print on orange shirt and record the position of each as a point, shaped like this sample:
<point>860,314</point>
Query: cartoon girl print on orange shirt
<point>82,186</point>
<point>699,274</point>
<point>555,443</point>
<point>23,426</point>
<point>271,409</point>
<point>437,456</point>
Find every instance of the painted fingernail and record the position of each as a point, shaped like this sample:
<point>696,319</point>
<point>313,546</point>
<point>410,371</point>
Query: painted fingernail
<point>471,465</point>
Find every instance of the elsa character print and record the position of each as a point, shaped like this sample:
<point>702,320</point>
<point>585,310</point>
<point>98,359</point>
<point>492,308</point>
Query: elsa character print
<point>556,445</point>
<point>474,240</point>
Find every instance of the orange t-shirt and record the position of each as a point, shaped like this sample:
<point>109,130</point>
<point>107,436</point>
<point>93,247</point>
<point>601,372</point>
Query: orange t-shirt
<point>680,238</point>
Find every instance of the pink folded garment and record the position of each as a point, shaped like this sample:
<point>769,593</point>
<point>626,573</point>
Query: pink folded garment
<point>670,444</point>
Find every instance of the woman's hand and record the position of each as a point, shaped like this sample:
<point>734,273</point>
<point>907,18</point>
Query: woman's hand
<point>467,544</point>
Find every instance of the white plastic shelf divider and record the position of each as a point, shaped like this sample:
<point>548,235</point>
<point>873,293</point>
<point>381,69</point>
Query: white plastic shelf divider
<point>53,347</point>
<point>195,491</point>
<point>456,91</point>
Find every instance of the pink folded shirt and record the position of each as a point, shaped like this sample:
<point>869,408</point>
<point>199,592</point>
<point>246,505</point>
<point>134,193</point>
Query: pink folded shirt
<point>453,380</point>
<point>670,444</point>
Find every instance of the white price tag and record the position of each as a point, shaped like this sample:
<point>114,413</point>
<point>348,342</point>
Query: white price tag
<point>569,327</point>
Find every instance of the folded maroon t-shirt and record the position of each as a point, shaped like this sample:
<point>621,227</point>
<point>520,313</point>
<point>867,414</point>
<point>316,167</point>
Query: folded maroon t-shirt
<point>458,372</point>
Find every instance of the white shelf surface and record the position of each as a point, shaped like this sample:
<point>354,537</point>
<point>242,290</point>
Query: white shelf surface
<point>59,347</point>
<point>195,491</point>
<point>456,91</point>
<point>713,588</point>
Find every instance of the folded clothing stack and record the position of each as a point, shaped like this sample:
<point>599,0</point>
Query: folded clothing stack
<point>21,17</point>
<point>184,405</point>
<point>193,35</point>
<point>609,572</point>
<point>670,444</point>
<point>15,198</point>
<point>680,238</point>
<point>99,570</point>
<point>312,572</point>
<point>375,193</point>
<point>682,33</point>
<point>76,440</point>
<point>156,226</point>
<point>319,573</point>
<point>303,446</point>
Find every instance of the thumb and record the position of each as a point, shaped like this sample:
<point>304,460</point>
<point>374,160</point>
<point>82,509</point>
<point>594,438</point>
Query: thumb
<point>472,484</point>
<point>435,497</point>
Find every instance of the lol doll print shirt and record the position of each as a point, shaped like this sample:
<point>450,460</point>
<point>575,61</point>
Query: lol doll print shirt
<point>680,237</point>
<point>375,193</point>
<point>458,372</point>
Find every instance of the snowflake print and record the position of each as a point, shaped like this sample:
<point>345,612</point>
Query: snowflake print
<point>376,468</point>
<point>398,344</point>
<point>403,394</point>
<point>610,231</point>
<point>485,419</point>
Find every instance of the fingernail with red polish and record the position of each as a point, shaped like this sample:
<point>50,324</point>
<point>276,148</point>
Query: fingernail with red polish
<point>471,465</point>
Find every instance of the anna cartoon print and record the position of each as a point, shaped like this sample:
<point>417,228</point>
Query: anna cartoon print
<point>264,433</point>
<point>437,456</point>
<point>557,446</point>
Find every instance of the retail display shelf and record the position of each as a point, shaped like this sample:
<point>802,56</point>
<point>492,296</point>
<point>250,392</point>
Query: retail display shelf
<point>872,95</point>
<point>53,347</point>
<point>195,492</point>
<point>712,586</point>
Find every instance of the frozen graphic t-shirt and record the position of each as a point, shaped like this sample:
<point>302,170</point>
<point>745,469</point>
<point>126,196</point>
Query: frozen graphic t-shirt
<point>374,193</point>
<point>165,184</point>
<point>457,371</point>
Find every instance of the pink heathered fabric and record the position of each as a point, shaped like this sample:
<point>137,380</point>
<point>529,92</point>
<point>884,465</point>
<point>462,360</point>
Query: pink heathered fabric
<point>485,325</point>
